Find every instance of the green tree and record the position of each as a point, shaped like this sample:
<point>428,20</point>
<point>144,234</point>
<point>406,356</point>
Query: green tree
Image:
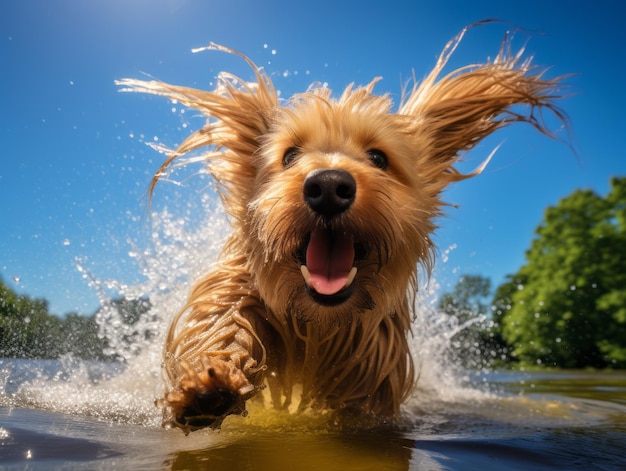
<point>500,306</point>
<point>26,328</point>
<point>474,342</point>
<point>568,308</point>
<point>467,300</point>
<point>80,337</point>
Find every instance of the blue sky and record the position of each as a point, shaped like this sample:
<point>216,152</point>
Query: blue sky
<point>75,164</point>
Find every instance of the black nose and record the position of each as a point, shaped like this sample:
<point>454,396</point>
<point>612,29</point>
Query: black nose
<point>329,192</point>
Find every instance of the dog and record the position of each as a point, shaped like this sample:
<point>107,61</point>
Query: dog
<point>333,203</point>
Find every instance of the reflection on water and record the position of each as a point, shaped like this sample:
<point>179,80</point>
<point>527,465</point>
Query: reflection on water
<point>557,420</point>
<point>297,451</point>
<point>596,385</point>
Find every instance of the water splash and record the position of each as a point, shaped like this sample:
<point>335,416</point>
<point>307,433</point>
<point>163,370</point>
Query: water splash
<point>125,389</point>
<point>442,379</point>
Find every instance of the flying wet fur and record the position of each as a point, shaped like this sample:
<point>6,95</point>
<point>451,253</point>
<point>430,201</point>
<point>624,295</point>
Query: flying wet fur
<point>333,203</point>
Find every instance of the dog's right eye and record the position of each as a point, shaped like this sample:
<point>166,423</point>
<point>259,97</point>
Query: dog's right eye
<point>289,155</point>
<point>378,158</point>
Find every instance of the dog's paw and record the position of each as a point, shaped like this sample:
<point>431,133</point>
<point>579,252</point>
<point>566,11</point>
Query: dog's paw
<point>205,398</point>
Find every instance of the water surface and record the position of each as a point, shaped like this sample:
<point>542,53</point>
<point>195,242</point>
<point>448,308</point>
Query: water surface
<point>526,421</point>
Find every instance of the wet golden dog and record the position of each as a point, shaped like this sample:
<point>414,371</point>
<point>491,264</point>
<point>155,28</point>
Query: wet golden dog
<point>332,203</point>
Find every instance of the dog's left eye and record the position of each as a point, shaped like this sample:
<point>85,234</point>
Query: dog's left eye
<point>378,158</point>
<point>289,155</point>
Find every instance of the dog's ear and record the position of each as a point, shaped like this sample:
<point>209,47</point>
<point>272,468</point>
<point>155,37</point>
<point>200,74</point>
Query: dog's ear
<point>454,112</point>
<point>237,116</point>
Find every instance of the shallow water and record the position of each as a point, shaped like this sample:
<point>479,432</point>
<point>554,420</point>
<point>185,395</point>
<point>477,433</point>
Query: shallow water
<point>530,421</point>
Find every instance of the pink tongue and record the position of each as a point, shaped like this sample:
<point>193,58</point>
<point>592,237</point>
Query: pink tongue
<point>329,260</point>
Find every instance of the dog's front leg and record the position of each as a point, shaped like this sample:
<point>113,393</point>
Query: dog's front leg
<point>215,353</point>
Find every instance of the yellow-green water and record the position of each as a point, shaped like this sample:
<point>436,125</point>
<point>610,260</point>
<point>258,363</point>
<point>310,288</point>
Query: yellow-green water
<point>526,421</point>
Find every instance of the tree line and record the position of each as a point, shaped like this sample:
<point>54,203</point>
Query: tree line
<point>564,308</point>
<point>29,330</point>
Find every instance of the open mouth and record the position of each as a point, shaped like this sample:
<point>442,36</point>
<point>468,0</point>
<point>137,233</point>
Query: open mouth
<point>328,267</point>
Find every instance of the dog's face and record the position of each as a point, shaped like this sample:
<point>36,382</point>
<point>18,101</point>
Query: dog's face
<point>333,201</point>
<point>340,216</point>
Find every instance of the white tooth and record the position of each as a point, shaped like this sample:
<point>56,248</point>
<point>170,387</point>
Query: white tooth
<point>351,276</point>
<point>305,273</point>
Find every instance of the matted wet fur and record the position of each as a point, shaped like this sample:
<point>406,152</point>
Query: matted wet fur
<point>332,203</point>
